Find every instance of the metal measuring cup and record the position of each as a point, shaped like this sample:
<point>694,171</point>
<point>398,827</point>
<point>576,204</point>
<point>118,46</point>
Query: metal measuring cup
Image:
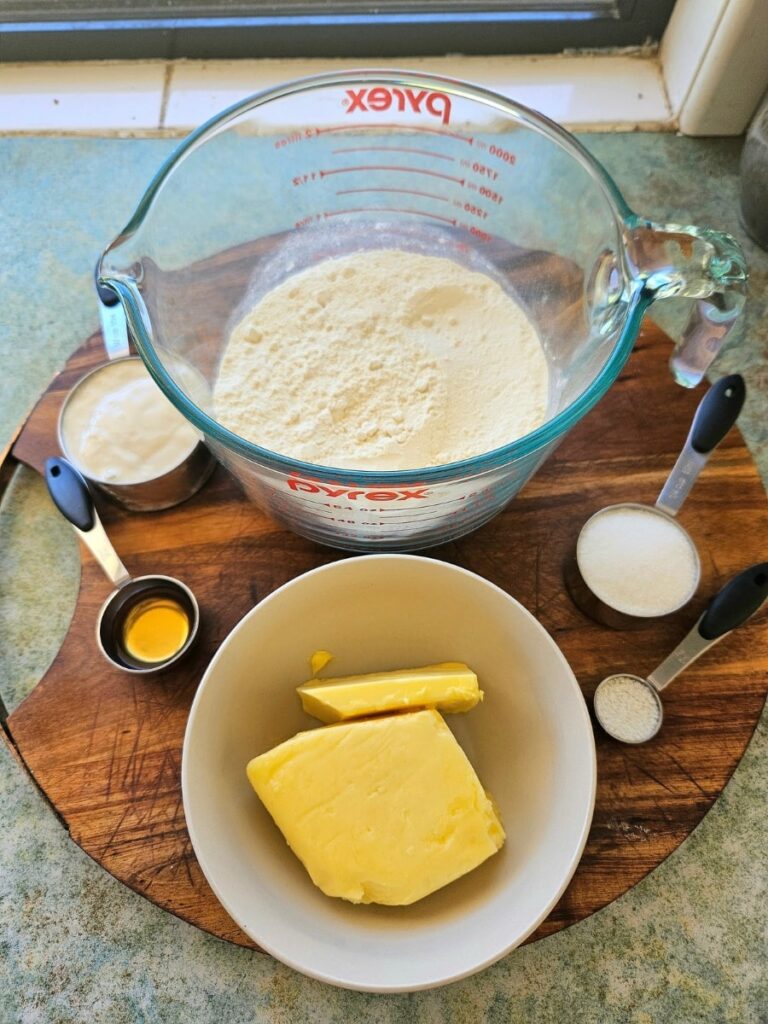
<point>72,497</point>
<point>170,488</point>
<point>714,417</point>
<point>621,699</point>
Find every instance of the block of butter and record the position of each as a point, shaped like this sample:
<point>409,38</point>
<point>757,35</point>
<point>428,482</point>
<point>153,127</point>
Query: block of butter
<point>384,810</point>
<point>450,686</point>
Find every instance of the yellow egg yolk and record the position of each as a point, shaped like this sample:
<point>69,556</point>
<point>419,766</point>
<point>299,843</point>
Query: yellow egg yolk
<point>155,629</point>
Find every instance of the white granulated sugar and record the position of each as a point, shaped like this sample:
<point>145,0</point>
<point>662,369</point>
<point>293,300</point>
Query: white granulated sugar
<point>626,708</point>
<point>383,359</point>
<point>637,560</point>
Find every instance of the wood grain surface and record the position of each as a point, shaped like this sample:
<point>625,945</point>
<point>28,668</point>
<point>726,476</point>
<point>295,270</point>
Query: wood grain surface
<point>106,748</point>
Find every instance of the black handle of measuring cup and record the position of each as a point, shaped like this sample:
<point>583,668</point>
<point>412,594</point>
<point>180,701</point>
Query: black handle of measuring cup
<point>70,493</point>
<point>717,412</point>
<point>739,599</point>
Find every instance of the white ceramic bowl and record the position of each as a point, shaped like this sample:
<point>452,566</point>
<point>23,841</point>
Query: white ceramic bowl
<point>530,740</point>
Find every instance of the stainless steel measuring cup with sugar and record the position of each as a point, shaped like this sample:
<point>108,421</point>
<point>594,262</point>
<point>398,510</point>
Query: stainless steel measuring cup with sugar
<point>629,707</point>
<point>148,622</point>
<point>635,562</point>
<point>337,163</point>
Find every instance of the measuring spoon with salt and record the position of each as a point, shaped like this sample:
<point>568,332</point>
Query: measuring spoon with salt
<point>635,562</point>
<point>629,707</point>
<point>148,622</point>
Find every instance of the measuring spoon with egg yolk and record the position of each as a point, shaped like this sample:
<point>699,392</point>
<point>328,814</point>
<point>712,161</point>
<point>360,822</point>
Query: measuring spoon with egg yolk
<point>148,622</point>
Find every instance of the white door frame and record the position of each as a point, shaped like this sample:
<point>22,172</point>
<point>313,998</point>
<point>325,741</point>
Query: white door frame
<point>714,61</point>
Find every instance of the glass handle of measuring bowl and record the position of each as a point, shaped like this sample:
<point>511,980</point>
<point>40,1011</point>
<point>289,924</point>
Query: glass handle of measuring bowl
<point>676,261</point>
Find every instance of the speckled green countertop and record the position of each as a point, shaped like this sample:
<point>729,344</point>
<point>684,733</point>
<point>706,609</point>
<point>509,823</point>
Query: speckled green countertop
<point>690,943</point>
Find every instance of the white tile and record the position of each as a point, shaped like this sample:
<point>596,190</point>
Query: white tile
<point>579,91</point>
<point>81,96</point>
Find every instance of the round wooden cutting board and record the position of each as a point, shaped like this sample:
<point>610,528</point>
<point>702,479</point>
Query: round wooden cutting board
<point>106,748</point>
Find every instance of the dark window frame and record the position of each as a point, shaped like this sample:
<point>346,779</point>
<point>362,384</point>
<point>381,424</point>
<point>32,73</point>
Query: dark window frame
<point>389,28</point>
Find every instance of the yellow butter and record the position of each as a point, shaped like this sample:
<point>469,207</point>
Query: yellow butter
<point>384,810</point>
<point>450,686</point>
<point>318,661</point>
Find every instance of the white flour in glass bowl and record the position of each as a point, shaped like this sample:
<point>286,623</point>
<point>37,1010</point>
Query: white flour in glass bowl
<point>383,359</point>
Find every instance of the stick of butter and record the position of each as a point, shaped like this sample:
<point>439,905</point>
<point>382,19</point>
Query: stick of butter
<point>450,686</point>
<point>384,810</point>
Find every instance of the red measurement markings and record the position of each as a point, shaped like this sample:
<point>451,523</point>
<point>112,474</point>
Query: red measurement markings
<point>475,211</point>
<point>483,170</point>
<point>390,209</point>
<point>297,136</point>
<point>503,154</point>
<point>401,170</point>
<point>308,220</point>
<point>469,139</point>
<point>401,191</point>
<point>489,193</point>
<point>396,149</point>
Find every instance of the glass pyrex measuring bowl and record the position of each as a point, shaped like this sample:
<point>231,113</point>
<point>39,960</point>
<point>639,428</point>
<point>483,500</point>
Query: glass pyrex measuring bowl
<point>338,163</point>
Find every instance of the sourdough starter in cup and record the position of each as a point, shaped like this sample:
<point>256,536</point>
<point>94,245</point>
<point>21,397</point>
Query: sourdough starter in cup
<point>383,359</point>
<point>118,427</point>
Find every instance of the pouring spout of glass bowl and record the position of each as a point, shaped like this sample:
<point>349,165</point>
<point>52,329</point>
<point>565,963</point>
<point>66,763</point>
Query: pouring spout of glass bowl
<point>676,261</point>
<point>125,283</point>
<point>135,284</point>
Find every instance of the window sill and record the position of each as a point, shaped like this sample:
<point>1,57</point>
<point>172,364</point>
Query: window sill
<point>157,98</point>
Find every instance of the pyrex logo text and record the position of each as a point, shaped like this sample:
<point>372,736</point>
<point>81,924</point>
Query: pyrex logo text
<point>380,98</point>
<point>373,492</point>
